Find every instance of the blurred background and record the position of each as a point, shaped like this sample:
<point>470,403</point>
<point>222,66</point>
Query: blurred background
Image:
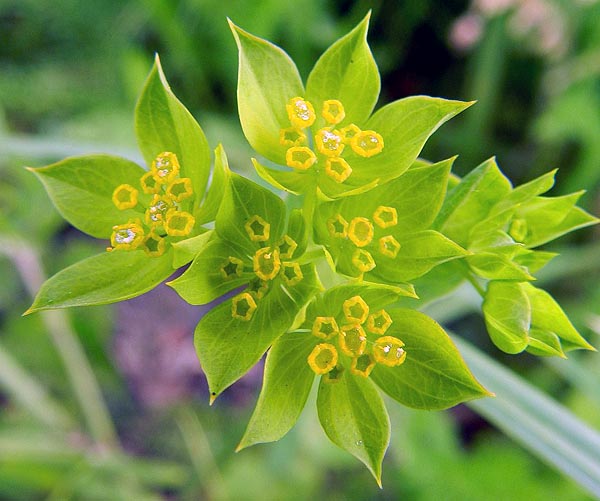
<point>110,403</point>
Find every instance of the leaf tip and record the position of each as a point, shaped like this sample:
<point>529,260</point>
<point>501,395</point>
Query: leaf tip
<point>213,397</point>
<point>29,311</point>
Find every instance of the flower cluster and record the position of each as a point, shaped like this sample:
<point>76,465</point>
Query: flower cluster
<point>329,141</point>
<point>163,217</point>
<point>351,336</point>
<point>361,232</point>
<point>267,264</point>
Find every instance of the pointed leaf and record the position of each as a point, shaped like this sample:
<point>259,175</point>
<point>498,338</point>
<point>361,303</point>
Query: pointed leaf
<point>405,125</point>
<point>494,266</point>
<point>81,188</point>
<point>434,376</point>
<point>291,181</point>
<point>244,200</point>
<point>228,347</point>
<point>162,123</point>
<point>206,279</point>
<point>354,417</point>
<point>507,312</point>
<point>534,261</point>
<point>186,250</point>
<point>286,384</point>
<point>207,211</point>
<point>547,315</point>
<point>544,344</point>
<point>267,80</point>
<point>104,278</point>
<point>347,72</point>
<point>526,192</point>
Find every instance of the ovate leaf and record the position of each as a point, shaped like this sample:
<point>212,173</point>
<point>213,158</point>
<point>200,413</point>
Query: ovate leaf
<point>214,196</point>
<point>286,384</point>
<point>81,188</point>
<point>347,72</point>
<point>494,266</point>
<point>354,417</point>
<point>434,376</point>
<point>162,123</point>
<point>267,80</point>
<point>507,312</point>
<point>104,278</point>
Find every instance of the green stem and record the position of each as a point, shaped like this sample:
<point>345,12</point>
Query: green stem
<point>79,372</point>
<point>472,280</point>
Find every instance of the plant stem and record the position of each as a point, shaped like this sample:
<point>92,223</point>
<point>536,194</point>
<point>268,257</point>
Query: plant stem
<point>79,372</point>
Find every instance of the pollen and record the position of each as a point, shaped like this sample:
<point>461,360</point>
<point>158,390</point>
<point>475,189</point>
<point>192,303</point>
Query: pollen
<point>243,306</point>
<point>287,247</point>
<point>360,231</point>
<point>149,183</point>
<point>329,143</point>
<point>363,260</point>
<point>154,245</point>
<point>389,246</point>
<point>333,111</point>
<point>366,143</point>
<point>291,273</point>
<point>323,358</point>
<point>348,132</point>
<point>127,236</point>
<point>180,189</point>
<point>356,309</point>
<point>266,263</point>
<point>300,112</point>
<point>338,226</point>
<point>125,197</point>
<point>362,365</point>
<point>233,267</point>
<point>379,322</point>
<point>291,137</point>
<point>258,229</point>
<point>325,327</point>
<point>300,157</point>
<point>165,167</point>
<point>338,169</point>
<point>385,217</point>
<point>156,212</point>
<point>178,223</point>
<point>352,340</point>
<point>518,229</point>
<point>388,350</point>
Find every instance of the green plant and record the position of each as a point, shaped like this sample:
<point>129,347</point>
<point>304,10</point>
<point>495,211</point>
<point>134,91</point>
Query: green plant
<point>330,289</point>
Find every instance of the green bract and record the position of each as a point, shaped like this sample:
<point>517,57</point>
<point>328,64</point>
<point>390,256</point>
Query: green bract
<point>329,291</point>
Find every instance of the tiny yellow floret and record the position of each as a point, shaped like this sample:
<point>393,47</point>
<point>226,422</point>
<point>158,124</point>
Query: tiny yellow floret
<point>287,247</point>
<point>352,340</point>
<point>337,169</point>
<point>329,143</point>
<point>361,231</point>
<point>180,189</point>
<point>266,263</point>
<point>258,288</point>
<point>156,212</point>
<point>337,226</point>
<point>127,236</point>
<point>291,273</point>
<point>362,365</point>
<point>366,143</point>
<point>149,183</point>
<point>363,260</point>
<point>125,197</point>
<point>379,322</point>
<point>388,350</point>
<point>348,132</point>
<point>385,217</point>
<point>389,246</point>
<point>300,112</point>
<point>154,245</point>
<point>243,306</point>
<point>300,157</point>
<point>179,223</point>
<point>233,267</point>
<point>291,137</point>
<point>334,375</point>
<point>323,358</point>
<point>325,327</point>
<point>258,229</point>
<point>333,111</point>
<point>356,310</point>
<point>165,167</point>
